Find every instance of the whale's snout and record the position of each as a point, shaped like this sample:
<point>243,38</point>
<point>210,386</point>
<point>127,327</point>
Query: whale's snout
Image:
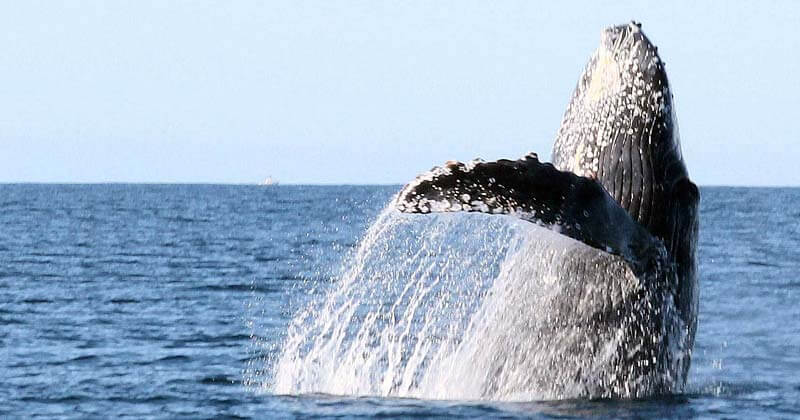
<point>617,35</point>
<point>626,65</point>
<point>630,48</point>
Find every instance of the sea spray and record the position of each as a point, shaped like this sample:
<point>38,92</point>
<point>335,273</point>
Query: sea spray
<point>409,290</point>
<point>470,306</point>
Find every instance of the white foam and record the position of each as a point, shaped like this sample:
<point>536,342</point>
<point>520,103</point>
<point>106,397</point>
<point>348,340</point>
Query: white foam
<point>458,306</point>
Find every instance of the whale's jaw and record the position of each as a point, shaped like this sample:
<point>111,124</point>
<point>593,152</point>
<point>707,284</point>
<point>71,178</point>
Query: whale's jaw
<point>620,126</point>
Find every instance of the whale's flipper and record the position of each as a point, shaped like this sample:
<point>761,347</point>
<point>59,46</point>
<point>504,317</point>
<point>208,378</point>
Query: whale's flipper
<point>576,206</point>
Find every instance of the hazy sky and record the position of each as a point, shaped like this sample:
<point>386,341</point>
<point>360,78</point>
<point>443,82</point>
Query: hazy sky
<point>369,91</point>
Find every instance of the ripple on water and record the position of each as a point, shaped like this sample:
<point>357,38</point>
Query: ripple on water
<point>141,300</point>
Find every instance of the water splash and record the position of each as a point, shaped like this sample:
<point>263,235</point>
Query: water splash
<point>457,306</point>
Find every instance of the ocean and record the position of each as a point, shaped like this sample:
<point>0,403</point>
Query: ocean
<point>228,301</point>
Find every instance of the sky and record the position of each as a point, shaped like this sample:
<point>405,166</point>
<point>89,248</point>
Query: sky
<point>370,92</point>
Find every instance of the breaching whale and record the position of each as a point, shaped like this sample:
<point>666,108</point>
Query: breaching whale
<point>618,185</point>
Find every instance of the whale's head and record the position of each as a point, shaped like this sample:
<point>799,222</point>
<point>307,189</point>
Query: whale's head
<point>619,136</point>
<point>620,127</point>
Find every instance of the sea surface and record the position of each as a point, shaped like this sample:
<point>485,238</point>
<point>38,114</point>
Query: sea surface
<point>178,301</point>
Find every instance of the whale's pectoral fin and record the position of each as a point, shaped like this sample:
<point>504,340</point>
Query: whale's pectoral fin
<point>527,187</point>
<point>578,207</point>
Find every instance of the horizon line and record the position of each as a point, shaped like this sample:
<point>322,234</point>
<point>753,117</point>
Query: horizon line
<point>303,184</point>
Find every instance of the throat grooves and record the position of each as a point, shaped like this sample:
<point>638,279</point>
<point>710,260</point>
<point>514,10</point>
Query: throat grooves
<point>637,175</point>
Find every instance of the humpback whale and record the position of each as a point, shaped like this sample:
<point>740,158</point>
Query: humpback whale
<point>618,185</point>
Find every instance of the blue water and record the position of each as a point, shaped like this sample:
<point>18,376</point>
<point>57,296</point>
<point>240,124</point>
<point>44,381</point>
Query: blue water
<point>166,301</point>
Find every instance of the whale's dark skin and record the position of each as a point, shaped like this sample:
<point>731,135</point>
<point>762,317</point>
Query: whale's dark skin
<point>617,183</point>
